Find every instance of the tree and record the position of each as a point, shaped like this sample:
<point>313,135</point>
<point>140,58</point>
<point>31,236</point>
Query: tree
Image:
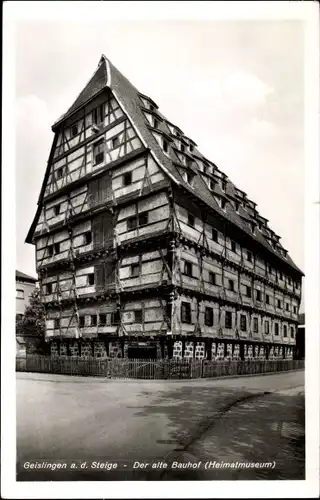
<point>33,321</point>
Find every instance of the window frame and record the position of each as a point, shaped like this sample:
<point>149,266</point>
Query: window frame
<point>95,146</point>
<point>185,312</point>
<point>188,271</point>
<point>90,277</point>
<point>243,322</point>
<point>20,290</point>
<point>228,316</point>
<point>127,179</point>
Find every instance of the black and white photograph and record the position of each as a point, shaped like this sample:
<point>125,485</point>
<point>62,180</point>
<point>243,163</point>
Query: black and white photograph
<point>160,186</point>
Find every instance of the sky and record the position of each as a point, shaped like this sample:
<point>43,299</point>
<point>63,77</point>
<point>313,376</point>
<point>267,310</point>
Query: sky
<point>235,87</point>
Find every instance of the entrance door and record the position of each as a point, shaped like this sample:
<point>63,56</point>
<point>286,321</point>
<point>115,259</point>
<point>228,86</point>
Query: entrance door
<point>142,352</point>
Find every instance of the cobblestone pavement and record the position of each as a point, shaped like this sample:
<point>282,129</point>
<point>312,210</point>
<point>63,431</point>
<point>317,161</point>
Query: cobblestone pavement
<point>70,418</point>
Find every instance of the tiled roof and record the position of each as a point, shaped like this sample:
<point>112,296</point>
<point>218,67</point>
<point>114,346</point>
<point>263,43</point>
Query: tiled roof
<point>25,277</point>
<point>108,76</point>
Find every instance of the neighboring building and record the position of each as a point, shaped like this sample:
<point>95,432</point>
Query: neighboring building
<point>25,285</point>
<point>144,248</point>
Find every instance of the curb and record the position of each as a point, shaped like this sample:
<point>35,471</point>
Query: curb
<point>82,379</point>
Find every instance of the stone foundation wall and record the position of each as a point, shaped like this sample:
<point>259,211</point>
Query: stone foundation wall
<point>181,349</point>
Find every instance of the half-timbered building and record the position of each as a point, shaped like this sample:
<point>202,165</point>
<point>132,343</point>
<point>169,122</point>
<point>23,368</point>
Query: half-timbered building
<point>145,248</point>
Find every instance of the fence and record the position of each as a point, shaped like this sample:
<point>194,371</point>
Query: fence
<point>151,369</point>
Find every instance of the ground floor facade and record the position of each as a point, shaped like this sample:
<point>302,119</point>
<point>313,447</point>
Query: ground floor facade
<point>166,348</point>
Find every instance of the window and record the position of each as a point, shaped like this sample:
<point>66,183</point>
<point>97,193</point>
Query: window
<point>59,173</point>
<point>127,178</point>
<point>56,247</point>
<point>74,130</point>
<point>56,323</point>
<point>50,250</point>
<point>243,322</point>
<point>292,332</point>
<point>276,328</point>
<point>267,299</point>
<point>91,279</point>
<point>138,316</point>
<point>278,303</point>
<point>249,256</point>
<point>191,148</point>
<point>231,285</point>
<point>20,294</point>
<point>228,319</point>
<point>212,184</point>
<point>285,330</point>
<point>249,291</point>
<point>208,316</point>
<point>56,209</point>
<point>115,317</point>
<point>115,142</point>
<point>143,219</point>
<point>93,321</point>
<point>98,114</point>
<point>87,238</point>
<point>237,206</point>
<point>132,223</point>
<point>49,288</point>
<point>223,185</point>
<point>212,278</point>
<point>165,146</point>
<point>258,295</point>
<point>269,268</point>
<point>266,327</point>
<point>182,148</point>
<point>187,268</point>
<point>185,312</point>
<point>289,281</point>
<point>155,123</point>
<point>295,309</point>
<point>102,319</point>
<point>287,306</point>
<point>191,220</point>
<point>280,275</point>
<point>98,152</point>
<point>135,270</point>
<point>214,235</point>
<point>223,204</point>
<point>233,246</point>
<point>81,321</point>
<point>255,325</point>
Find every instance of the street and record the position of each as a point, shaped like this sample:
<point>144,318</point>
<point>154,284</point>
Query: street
<point>74,419</point>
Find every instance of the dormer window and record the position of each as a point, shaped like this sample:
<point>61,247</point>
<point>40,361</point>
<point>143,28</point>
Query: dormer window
<point>191,148</point>
<point>182,148</point>
<point>237,206</point>
<point>190,177</point>
<point>223,204</point>
<point>223,185</point>
<point>212,184</point>
<point>165,146</point>
<point>155,123</point>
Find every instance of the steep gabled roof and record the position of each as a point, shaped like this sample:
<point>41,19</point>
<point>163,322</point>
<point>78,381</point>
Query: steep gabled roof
<point>129,98</point>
